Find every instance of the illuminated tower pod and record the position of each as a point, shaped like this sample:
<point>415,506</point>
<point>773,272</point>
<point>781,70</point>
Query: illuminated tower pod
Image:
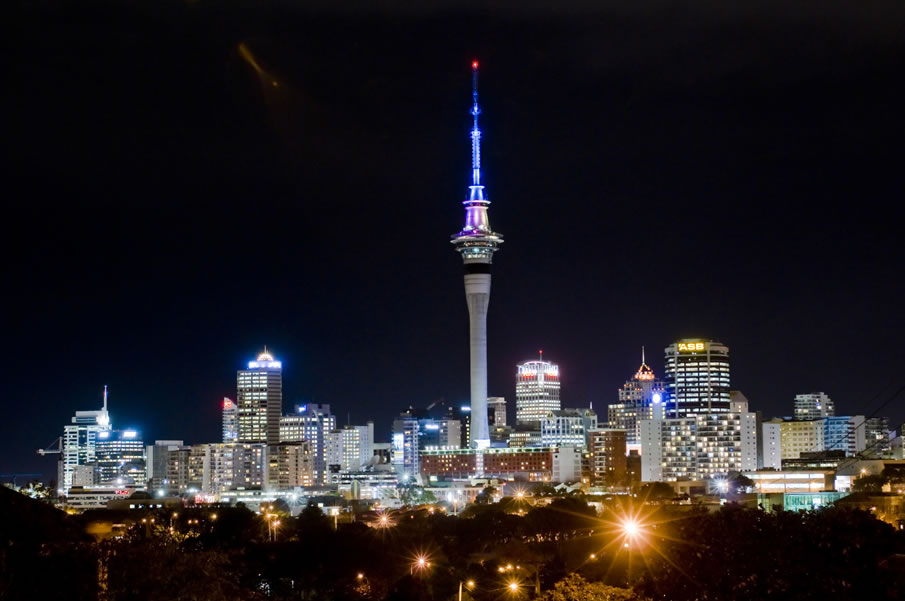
<point>697,377</point>
<point>477,243</point>
<point>259,400</point>
<point>536,391</point>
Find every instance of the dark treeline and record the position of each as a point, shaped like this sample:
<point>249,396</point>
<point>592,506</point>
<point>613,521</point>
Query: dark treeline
<point>564,550</point>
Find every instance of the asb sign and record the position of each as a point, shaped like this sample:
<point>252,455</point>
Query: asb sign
<point>691,346</point>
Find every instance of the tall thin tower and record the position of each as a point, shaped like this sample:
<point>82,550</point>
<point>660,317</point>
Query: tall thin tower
<point>477,243</point>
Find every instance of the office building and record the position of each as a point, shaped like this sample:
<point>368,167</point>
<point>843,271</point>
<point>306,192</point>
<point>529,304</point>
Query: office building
<point>259,397</point>
<point>230,420</point>
<point>496,410</point>
<point>567,427</point>
<point>156,458</point>
<point>566,464</point>
<point>290,465</point>
<point>233,466</point>
<point>477,243</point>
<point>312,423</point>
<point>815,405</point>
<point>697,378</point>
<point>607,458</point>
<point>350,449</point>
<point>120,458</point>
<point>797,437</point>
<point>414,431</point>
<point>536,391</point>
<point>78,446</point>
<point>638,398</point>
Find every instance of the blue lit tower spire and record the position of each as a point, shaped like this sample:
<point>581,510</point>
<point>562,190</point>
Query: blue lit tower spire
<point>476,242</point>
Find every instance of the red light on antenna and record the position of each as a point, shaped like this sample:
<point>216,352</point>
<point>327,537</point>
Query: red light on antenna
<point>227,403</point>
<point>474,64</point>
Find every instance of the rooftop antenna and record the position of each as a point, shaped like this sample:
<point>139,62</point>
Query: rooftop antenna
<point>105,398</point>
<point>541,353</point>
<point>475,131</point>
<point>642,355</point>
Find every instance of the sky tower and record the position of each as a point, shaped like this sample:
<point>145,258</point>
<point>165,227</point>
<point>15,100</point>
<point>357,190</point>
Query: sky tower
<point>477,243</point>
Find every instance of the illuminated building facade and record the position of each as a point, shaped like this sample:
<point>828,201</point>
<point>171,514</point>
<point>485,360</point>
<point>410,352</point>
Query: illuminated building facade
<point>79,446</point>
<point>536,391</point>
<point>638,399</point>
<point>844,433</point>
<point>797,437</point>
<point>120,458</point>
<point>312,423</point>
<point>290,465</point>
<point>349,449</point>
<point>607,463</point>
<point>697,378</point>
<point>534,464</point>
<point>699,446</point>
<point>413,433</point>
<point>230,420</point>
<point>260,400</point>
<point>567,427</point>
<point>814,405</point>
<point>477,243</point>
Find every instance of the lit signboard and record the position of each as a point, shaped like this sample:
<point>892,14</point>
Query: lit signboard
<point>691,346</point>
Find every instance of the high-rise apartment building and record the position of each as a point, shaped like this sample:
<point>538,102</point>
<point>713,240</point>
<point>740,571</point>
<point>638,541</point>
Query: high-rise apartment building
<point>876,437</point>
<point>697,377</point>
<point>290,465</point>
<point>814,405</point>
<point>698,446</point>
<point>78,446</point>
<point>120,458</point>
<point>536,391</point>
<point>230,420</point>
<point>638,398</point>
<point>797,437</point>
<point>312,423</point>
<point>844,433</point>
<point>259,397</point>
<point>607,462</point>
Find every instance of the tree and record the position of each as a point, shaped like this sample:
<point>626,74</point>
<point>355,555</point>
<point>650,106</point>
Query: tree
<point>485,496</point>
<point>656,491</point>
<point>739,483</point>
<point>575,588</point>
<point>869,483</point>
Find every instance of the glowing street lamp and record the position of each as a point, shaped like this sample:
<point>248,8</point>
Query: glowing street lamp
<point>513,587</point>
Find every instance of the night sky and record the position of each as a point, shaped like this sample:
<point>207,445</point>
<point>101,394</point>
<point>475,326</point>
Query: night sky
<point>187,182</point>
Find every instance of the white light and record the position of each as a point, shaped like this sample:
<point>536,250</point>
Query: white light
<point>129,434</point>
<point>657,397</point>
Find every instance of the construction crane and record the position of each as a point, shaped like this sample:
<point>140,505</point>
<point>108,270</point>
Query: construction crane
<point>55,447</point>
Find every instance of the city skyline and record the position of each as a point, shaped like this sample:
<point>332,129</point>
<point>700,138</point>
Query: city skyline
<point>176,258</point>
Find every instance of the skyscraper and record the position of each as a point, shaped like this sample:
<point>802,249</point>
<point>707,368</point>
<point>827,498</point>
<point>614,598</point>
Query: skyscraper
<point>637,397</point>
<point>79,446</point>
<point>476,242</point>
<point>260,400</point>
<point>697,377</point>
<point>120,458</point>
<point>536,391</point>
<point>814,405</point>
<point>313,423</point>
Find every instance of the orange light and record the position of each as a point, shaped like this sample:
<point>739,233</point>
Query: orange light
<point>474,64</point>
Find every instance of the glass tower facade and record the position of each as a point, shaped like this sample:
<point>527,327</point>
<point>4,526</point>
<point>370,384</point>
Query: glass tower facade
<point>259,400</point>
<point>536,391</point>
<point>697,378</point>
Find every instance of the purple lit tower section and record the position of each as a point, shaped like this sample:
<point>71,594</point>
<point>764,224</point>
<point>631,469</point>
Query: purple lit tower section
<point>477,243</point>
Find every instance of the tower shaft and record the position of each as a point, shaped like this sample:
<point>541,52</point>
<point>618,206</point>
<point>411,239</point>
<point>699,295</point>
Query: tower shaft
<point>477,295</point>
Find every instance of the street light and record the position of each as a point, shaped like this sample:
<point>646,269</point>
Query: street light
<point>513,587</point>
<point>469,584</point>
